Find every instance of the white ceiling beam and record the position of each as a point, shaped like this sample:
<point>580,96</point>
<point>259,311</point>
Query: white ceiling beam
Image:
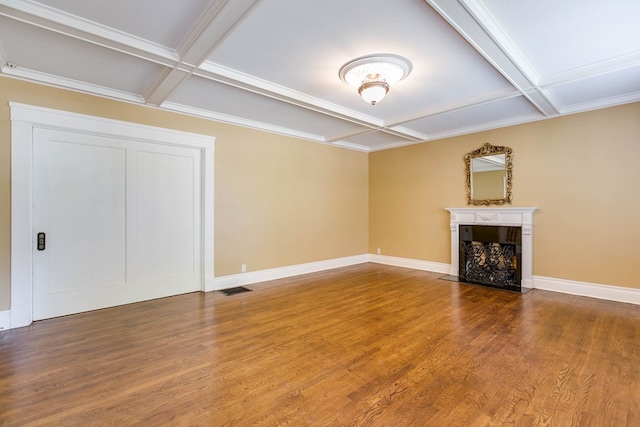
<point>70,25</point>
<point>219,19</point>
<point>478,27</point>
<point>211,29</point>
<point>164,84</point>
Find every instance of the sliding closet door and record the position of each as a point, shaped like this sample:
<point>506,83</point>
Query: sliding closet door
<point>116,221</point>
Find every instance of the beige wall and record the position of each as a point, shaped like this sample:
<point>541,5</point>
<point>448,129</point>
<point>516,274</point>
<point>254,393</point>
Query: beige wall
<point>281,202</point>
<point>278,201</point>
<point>581,171</point>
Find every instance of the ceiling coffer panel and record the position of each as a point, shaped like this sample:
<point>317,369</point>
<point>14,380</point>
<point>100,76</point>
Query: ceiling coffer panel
<point>166,23</point>
<point>213,97</point>
<point>477,118</point>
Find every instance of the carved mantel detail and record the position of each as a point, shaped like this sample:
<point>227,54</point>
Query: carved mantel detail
<point>509,216</point>
<point>486,218</point>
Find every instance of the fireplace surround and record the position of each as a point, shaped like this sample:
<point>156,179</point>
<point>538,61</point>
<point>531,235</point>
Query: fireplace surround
<point>507,219</point>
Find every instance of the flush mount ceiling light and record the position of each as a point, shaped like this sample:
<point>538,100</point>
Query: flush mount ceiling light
<point>372,74</point>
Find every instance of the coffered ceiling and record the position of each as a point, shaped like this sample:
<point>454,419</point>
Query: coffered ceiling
<point>273,64</point>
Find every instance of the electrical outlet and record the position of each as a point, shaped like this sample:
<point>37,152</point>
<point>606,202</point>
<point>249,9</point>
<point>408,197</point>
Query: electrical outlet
<point>243,268</point>
<point>378,251</point>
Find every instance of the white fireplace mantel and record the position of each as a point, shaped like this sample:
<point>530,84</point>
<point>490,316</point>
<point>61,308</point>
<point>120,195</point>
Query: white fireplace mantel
<point>509,216</point>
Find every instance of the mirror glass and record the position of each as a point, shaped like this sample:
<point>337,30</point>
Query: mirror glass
<point>489,175</point>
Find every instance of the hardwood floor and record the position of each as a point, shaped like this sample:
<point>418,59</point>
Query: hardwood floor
<point>363,345</point>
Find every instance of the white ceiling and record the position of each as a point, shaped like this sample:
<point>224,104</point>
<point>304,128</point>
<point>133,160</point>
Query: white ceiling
<point>273,64</point>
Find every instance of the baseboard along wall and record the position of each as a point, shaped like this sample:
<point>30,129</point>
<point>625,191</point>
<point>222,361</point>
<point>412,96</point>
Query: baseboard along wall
<point>586,289</point>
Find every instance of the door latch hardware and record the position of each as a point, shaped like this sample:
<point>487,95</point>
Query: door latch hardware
<point>41,241</point>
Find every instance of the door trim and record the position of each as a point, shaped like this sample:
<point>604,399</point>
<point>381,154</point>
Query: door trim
<point>24,118</point>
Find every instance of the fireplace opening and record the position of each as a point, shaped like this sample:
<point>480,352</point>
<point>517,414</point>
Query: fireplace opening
<point>491,256</point>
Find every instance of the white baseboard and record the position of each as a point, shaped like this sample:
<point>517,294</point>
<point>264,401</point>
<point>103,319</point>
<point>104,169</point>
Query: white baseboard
<point>295,270</point>
<point>416,264</point>
<point>242,279</point>
<point>585,289</point>
<point>593,290</point>
<point>5,320</point>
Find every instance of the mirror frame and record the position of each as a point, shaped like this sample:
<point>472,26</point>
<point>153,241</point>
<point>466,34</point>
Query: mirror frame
<point>490,150</point>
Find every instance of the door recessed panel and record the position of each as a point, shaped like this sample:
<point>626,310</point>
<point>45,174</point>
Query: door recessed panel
<point>87,222</point>
<point>167,214</point>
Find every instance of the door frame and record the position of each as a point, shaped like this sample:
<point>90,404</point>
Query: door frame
<point>24,118</point>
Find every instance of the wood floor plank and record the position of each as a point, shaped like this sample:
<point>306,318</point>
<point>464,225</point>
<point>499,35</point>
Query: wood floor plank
<point>361,345</point>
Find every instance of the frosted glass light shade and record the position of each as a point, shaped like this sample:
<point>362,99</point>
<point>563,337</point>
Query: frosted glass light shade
<point>373,92</point>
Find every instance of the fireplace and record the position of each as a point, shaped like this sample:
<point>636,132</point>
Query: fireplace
<point>491,255</point>
<point>493,246</point>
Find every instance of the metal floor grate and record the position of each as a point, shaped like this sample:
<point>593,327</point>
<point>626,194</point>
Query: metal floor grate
<point>233,291</point>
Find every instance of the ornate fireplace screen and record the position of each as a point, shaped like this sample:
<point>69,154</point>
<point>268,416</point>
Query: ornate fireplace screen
<point>491,256</point>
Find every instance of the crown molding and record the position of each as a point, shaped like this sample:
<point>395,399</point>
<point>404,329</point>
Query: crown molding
<point>70,84</point>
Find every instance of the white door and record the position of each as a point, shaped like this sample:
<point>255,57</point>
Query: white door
<point>121,220</point>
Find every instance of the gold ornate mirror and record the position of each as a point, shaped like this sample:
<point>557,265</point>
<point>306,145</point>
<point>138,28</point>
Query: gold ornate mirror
<point>489,175</point>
